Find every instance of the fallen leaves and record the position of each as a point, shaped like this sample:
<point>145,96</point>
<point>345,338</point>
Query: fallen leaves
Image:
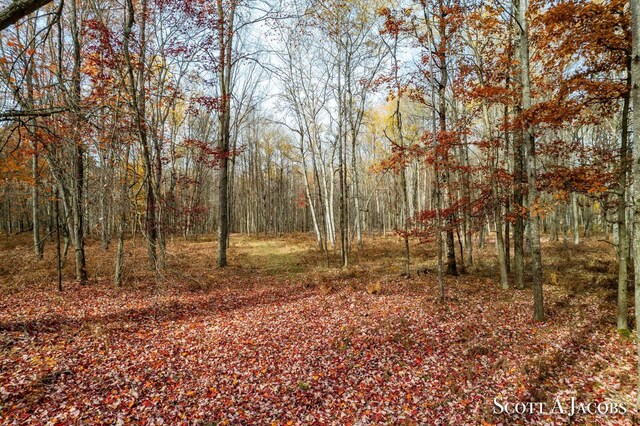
<point>280,353</point>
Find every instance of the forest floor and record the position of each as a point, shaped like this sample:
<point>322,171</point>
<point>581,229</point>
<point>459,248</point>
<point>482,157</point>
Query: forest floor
<point>280,338</point>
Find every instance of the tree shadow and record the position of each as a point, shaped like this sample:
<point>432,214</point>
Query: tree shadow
<point>214,303</point>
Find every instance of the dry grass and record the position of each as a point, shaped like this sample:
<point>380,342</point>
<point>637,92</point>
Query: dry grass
<point>589,267</point>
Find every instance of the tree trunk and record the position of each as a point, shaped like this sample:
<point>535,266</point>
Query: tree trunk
<point>35,199</point>
<point>104,220</point>
<point>575,214</point>
<point>497,213</point>
<point>78,190</point>
<point>518,199</point>
<point>623,247</point>
<point>58,257</point>
<point>635,93</point>
<point>442,115</point>
<point>122,225</point>
<point>35,204</point>
<point>534,223</point>
<point>137,92</point>
<point>307,191</point>
<point>466,193</point>
<point>225,44</point>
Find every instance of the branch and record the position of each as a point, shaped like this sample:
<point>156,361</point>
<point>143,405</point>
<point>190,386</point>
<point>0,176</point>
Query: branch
<point>19,9</point>
<point>45,112</point>
<point>609,242</point>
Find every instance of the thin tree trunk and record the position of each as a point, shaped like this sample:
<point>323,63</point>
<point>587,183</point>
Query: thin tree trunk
<point>534,223</point>
<point>225,42</point>
<point>104,220</point>
<point>119,264</point>
<point>518,199</point>
<point>138,94</point>
<point>307,191</point>
<point>466,193</point>
<point>58,257</point>
<point>35,203</point>
<point>623,247</point>
<point>77,204</point>
<point>635,93</point>
<point>442,115</point>
<point>497,213</point>
<point>436,174</point>
<point>356,188</point>
<point>35,199</point>
<point>575,214</point>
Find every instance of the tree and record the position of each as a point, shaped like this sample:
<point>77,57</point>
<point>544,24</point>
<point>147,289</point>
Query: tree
<point>586,95</point>
<point>533,199</point>
<point>394,27</point>
<point>487,81</point>
<point>226,14</point>
<point>78,147</point>
<point>440,23</point>
<point>137,82</point>
<point>635,96</point>
<point>305,92</point>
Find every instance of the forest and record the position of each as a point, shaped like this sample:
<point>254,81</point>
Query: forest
<point>218,212</point>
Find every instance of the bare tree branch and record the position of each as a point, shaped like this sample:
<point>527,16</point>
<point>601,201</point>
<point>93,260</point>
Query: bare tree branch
<point>45,112</point>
